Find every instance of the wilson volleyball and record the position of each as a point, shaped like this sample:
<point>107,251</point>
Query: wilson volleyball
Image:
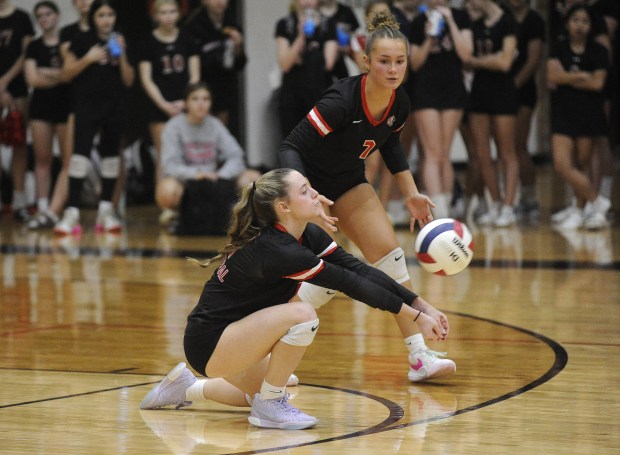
<point>444,246</point>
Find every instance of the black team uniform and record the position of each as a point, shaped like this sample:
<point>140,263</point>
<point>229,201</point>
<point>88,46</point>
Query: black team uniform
<point>330,144</point>
<point>268,272</point>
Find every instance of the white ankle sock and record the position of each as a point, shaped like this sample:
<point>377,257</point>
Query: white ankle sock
<point>19,199</point>
<point>195,392</point>
<point>104,206</point>
<point>42,204</point>
<point>270,392</point>
<point>415,343</point>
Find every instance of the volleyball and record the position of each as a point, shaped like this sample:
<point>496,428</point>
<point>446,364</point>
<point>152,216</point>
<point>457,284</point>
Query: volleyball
<point>444,246</point>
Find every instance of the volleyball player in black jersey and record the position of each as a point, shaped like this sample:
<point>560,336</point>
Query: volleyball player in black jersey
<point>97,63</point>
<point>493,108</point>
<point>530,50</point>
<point>49,106</point>
<point>169,61</point>
<point>243,333</point>
<point>306,51</point>
<point>356,117</point>
<point>577,68</point>
<point>16,32</point>
<point>439,95</point>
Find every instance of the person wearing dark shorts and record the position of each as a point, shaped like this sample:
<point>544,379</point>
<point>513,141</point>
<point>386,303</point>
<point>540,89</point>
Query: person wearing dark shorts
<point>354,118</point>
<point>576,69</point>
<point>439,94</point>
<point>493,106</point>
<point>530,49</point>
<point>49,106</point>
<point>99,67</point>
<point>16,32</point>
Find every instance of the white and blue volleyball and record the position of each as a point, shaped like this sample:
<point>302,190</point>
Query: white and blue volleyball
<point>444,246</point>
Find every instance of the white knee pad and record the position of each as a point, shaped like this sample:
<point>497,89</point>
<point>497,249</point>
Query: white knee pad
<point>301,334</point>
<point>394,265</point>
<point>316,296</point>
<point>110,167</point>
<point>79,166</point>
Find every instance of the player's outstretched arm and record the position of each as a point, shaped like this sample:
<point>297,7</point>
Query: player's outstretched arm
<point>428,309</point>
<point>429,326</point>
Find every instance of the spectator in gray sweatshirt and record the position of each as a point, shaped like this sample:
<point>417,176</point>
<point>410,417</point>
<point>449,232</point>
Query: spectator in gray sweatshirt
<point>197,146</point>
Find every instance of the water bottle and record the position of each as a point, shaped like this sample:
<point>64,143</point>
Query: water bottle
<point>113,47</point>
<point>343,37</point>
<point>309,24</point>
<point>437,22</point>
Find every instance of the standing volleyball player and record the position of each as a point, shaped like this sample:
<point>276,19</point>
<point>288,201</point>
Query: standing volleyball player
<point>493,108</point>
<point>243,333</point>
<point>356,117</point>
<point>576,70</point>
<point>49,106</point>
<point>439,94</point>
<point>98,65</point>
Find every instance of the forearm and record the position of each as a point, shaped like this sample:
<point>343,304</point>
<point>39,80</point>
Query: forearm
<point>419,54</point>
<point>13,71</point>
<point>128,74</point>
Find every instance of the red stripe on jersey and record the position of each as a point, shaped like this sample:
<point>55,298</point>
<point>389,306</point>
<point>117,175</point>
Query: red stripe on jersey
<point>307,274</point>
<point>370,118</point>
<point>329,250</point>
<point>318,122</point>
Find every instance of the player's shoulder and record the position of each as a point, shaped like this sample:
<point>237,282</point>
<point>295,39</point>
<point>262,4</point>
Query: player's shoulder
<point>345,88</point>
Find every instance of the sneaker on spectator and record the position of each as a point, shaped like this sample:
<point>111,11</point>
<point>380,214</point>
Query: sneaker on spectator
<point>171,390</point>
<point>167,216</point>
<point>108,221</point>
<point>278,413</point>
<point>42,220</point>
<point>22,214</point>
<point>488,218</point>
<point>70,222</point>
<point>561,215</point>
<point>506,217</point>
<point>573,220</point>
<point>594,221</point>
<point>427,364</point>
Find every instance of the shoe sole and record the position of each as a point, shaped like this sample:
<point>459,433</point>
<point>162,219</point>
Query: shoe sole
<point>262,423</point>
<point>153,395</point>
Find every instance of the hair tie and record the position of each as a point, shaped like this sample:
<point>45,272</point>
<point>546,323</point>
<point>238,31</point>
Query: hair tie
<point>254,185</point>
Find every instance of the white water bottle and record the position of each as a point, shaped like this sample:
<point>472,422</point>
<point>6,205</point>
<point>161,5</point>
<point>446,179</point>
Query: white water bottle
<point>437,22</point>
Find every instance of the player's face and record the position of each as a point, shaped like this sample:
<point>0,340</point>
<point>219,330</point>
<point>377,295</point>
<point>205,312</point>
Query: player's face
<point>198,104</point>
<point>578,25</point>
<point>387,63</point>
<point>46,17</point>
<point>303,200</point>
<point>104,19</point>
<point>216,6</point>
<point>167,15</point>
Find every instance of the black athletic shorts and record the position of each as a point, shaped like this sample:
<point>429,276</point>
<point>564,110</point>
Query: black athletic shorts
<point>200,341</point>
<point>334,188</point>
<point>527,94</point>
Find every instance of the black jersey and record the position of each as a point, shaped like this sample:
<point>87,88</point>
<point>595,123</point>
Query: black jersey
<point>212,45</point>
<point>531,28</point>
<point>346,23</point>
<point>47,57</point>
<point>577,112</point>
<point>169,63</point>
<point>13,29</point>
<point>490,40</point>
<point>339,133</point>
<point>100,83</point>
<point>439,82</point>
<point>270,269</point>
<point>309,75</point>
<point>68,32</point>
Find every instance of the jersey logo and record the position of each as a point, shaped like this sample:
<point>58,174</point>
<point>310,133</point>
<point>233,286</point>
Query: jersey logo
<point>357,121</point>
<point>370,145</point>
<point>391,121</point>
<point>222,271</point>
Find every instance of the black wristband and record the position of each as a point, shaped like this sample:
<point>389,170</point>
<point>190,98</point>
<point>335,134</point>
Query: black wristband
<point>416,318</point>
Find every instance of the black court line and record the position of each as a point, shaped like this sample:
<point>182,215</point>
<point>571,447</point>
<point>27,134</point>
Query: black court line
<point>396,412</point>
<point>150,253</point>
<point>561,359</point>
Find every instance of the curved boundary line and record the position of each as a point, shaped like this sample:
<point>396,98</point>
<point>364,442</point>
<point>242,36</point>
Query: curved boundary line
<point>561,359</point>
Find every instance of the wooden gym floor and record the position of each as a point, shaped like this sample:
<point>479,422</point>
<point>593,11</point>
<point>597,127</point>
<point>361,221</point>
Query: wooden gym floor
<point>88,327</point>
